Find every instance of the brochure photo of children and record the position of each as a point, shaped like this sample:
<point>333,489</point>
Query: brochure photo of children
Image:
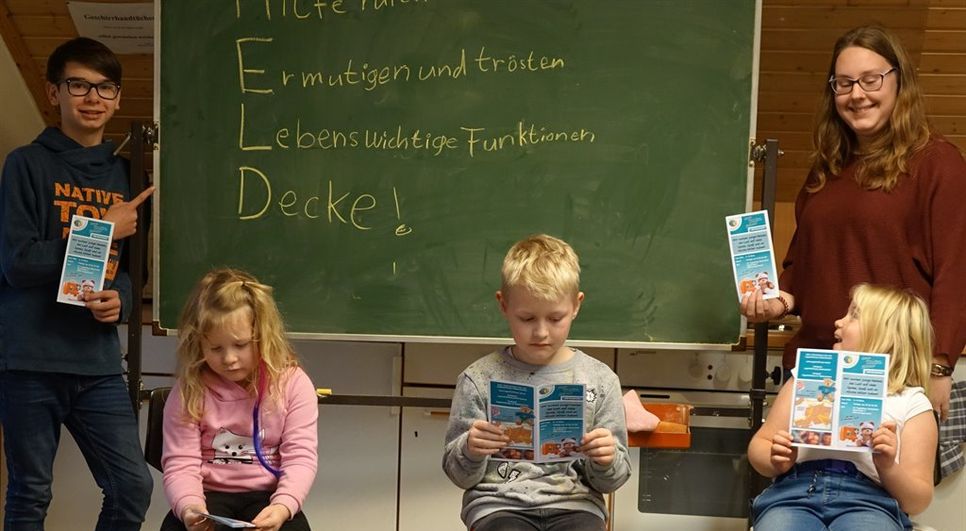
<point>812,437</point>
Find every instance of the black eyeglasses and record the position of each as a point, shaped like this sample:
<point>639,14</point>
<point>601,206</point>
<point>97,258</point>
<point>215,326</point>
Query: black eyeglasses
<point>82,87</point>
<point>868,82</point>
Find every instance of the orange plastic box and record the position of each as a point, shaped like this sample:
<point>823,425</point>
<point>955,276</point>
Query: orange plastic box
<point>674,431</point>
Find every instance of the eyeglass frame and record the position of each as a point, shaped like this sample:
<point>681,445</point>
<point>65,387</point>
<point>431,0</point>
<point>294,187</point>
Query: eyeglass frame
<point>96,87</point>
<point>853,82</point>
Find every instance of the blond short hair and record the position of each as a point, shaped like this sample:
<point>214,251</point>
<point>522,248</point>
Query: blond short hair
<point>545,266</point>
<point>216,296</point>
<point>896,322</point>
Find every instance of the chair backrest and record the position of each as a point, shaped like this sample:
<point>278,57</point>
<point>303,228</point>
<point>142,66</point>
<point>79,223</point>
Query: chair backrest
<point>154,439</point>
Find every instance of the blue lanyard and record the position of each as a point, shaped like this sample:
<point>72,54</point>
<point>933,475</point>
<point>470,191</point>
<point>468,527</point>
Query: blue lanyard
<point>256,431</point>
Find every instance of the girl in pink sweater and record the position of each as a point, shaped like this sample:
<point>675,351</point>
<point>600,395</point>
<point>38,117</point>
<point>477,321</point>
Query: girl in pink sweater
<point>240,425</point>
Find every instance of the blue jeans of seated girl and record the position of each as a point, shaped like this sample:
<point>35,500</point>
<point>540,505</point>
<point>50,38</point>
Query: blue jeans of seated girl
<point>819,500</point>
<point>97,411</point>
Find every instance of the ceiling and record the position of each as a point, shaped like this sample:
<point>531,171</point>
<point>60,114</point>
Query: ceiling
<point>31,29</point>
<point>22,120</point>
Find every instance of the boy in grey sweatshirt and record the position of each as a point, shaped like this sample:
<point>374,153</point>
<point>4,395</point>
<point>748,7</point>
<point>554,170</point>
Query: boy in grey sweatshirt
<point>539,298</point>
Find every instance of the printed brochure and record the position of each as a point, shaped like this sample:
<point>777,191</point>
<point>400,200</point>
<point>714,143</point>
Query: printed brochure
<point>86,261</point>
<point>229,522</point>
<point>752,257</point>
<point>838,398</point>
<point>544,423</point>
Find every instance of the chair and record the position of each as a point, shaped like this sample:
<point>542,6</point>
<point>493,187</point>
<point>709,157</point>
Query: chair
<point>154,439</point>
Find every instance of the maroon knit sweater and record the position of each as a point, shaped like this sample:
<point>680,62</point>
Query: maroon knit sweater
<point>912,237</point>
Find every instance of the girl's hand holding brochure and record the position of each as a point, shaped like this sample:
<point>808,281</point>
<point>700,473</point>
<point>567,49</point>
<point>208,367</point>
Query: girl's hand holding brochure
<point>753,264</point>
<point>885,443</point>
<point>757,309</point>
<point>598,444</point>
<point>485,438</point>
<point>194,519</point>
<point>783,454</point>
<point>272,517</point>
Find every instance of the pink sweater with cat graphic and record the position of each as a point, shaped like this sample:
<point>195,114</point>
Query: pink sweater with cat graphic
<point>217,452</point>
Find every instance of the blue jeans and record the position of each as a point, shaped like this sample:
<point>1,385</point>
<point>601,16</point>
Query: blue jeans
<point>811,497</point>
<point>97,411</point>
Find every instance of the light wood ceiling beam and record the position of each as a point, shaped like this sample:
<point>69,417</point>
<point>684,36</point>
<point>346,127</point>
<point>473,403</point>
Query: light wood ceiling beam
<point>32,75</point>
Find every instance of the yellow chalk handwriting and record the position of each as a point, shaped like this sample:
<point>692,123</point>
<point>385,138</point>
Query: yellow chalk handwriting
<point>241,65</point>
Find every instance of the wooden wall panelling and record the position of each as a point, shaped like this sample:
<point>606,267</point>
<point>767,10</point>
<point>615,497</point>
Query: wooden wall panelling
<point>797,39</point>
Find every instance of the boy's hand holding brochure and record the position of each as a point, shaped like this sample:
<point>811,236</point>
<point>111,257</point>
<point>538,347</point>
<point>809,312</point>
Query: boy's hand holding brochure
<point>599,445</point>
<point>105,305</point>
<point>485,438</point>
<point>85,266</point>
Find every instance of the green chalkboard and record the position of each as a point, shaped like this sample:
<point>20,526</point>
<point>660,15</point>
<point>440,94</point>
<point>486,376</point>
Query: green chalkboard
<point>374,159</point>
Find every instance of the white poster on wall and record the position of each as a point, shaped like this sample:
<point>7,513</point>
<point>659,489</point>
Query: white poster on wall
<point>124,28</point>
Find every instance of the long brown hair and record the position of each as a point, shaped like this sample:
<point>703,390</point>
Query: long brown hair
<point>883,162</point>
<point>214,298</point>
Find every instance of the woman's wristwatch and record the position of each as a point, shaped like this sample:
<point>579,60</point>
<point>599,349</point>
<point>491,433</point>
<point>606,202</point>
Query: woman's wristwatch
<point>938,369</point>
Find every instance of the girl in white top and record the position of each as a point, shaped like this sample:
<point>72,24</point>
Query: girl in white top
<point>835,490</point>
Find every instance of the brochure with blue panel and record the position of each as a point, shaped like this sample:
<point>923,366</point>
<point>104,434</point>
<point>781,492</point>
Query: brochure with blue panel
<point>228,522</point>
<point>838,397</point>
<point>752,256</point>
<point>544,423</point>
<point>86,260</point>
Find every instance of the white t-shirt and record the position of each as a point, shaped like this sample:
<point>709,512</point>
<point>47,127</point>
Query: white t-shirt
<point>899,408</point>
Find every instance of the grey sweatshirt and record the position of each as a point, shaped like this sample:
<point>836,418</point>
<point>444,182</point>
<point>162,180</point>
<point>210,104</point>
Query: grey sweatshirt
<point>512,485</point>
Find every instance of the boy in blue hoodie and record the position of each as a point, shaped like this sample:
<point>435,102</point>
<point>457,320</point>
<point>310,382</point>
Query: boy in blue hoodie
<point>61,364</point>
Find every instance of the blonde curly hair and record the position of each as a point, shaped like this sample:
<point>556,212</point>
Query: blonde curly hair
<point>216,297</point>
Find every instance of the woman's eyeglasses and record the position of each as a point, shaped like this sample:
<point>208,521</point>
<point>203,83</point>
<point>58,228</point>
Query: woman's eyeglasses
<point>81,87</point>
<point>868,82</point>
